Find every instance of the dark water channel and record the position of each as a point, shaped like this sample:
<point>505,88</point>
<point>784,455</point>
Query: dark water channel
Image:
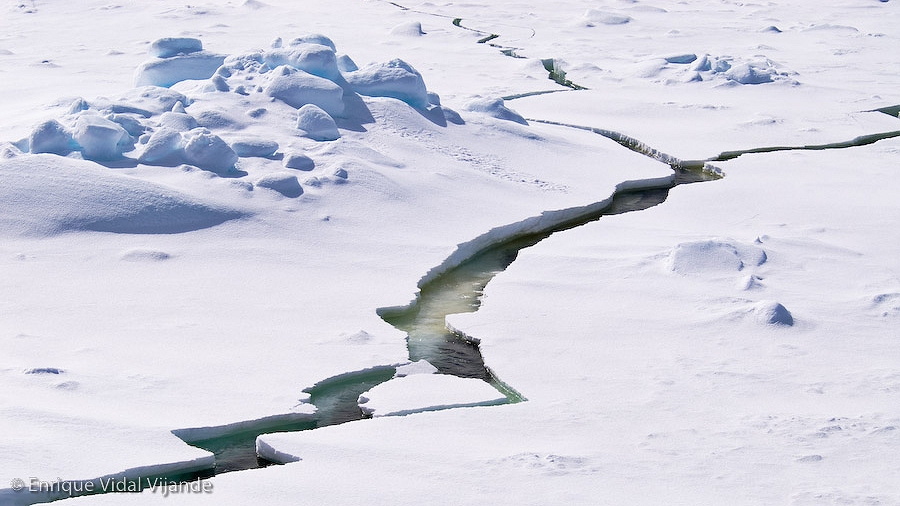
<point>458,290</point>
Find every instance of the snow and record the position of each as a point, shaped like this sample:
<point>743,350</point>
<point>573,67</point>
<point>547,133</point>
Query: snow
<point>298,88</point>
<point>415,393</point>
<point>663,361</point>
<point>169,70</point>
<point>317,124</point>
<point>47,195</point>
<point>395,79</point>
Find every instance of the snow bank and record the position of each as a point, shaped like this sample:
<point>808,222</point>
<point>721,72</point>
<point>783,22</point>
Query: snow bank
<point>65,194</point>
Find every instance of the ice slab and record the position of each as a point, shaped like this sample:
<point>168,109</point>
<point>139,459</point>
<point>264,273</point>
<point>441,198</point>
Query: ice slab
<point>427,392</point>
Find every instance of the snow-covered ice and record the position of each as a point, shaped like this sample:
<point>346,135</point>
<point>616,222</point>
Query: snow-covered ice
<point>416,393</point>
<point>736,344</point>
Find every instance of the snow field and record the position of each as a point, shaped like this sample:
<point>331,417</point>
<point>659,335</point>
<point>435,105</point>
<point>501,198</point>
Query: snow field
<point>684,392</point>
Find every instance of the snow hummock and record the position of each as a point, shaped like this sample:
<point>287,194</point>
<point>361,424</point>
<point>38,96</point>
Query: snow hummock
<point>64,194</point>
<point>395,79</point>
<point>177,60</point>
<point>495,107</point>
<point>717,255</point>
<point>770,312</point>
<point>297,88</point>
<point>317,124</point>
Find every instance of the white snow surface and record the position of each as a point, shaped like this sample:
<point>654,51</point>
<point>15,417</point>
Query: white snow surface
<point>174,292</point>
<point>416,393</point>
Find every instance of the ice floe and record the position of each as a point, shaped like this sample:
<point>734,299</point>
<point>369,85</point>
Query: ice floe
<point>416,393</point>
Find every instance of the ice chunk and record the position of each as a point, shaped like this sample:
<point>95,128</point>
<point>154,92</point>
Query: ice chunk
<point>681,58</point>
<point>282,182</point>
<point>769,312</point>
<point>208,151</point>
<point>299,161</point>
<point>101,139</point>
<point>165,72</point>
<point>713,255</point>
<point>427,392</point>
<point>298,88</point>
<point>495,107</point>
<point>254,147</point>
<point>163,148</point>
<point>417,367</point>
<point>171,46</point>
<point>317,124</point>
<point>51,137</point>
<point>395,79</point>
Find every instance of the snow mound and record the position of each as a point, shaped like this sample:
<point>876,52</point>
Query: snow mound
<point>297,88</point>
<point>165,72</point>
<point>282,182</point>
<point>51,137</point>
<point>208,151</point>
<point>299,161</point>
<point>316,59</point>
<point>427,392</point>
<point>594,17</point>
<point>178,121</point>
<point>168,47</point>
<point>394,79</point>
<point>749,73</point>
<point>163,147</point>
<point>317,124</point>
<point>100,138</point>
<point>47,194</point>
<point>690,67</point>
<point>150,100</point>
<point>314,38</point>
<point>769,312</point>
<point>254,148</point>
<point>145,255</point>
<point>410,29</point>
<point>713,255</point>
<point>495,107</point>
<point>346,64</point>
